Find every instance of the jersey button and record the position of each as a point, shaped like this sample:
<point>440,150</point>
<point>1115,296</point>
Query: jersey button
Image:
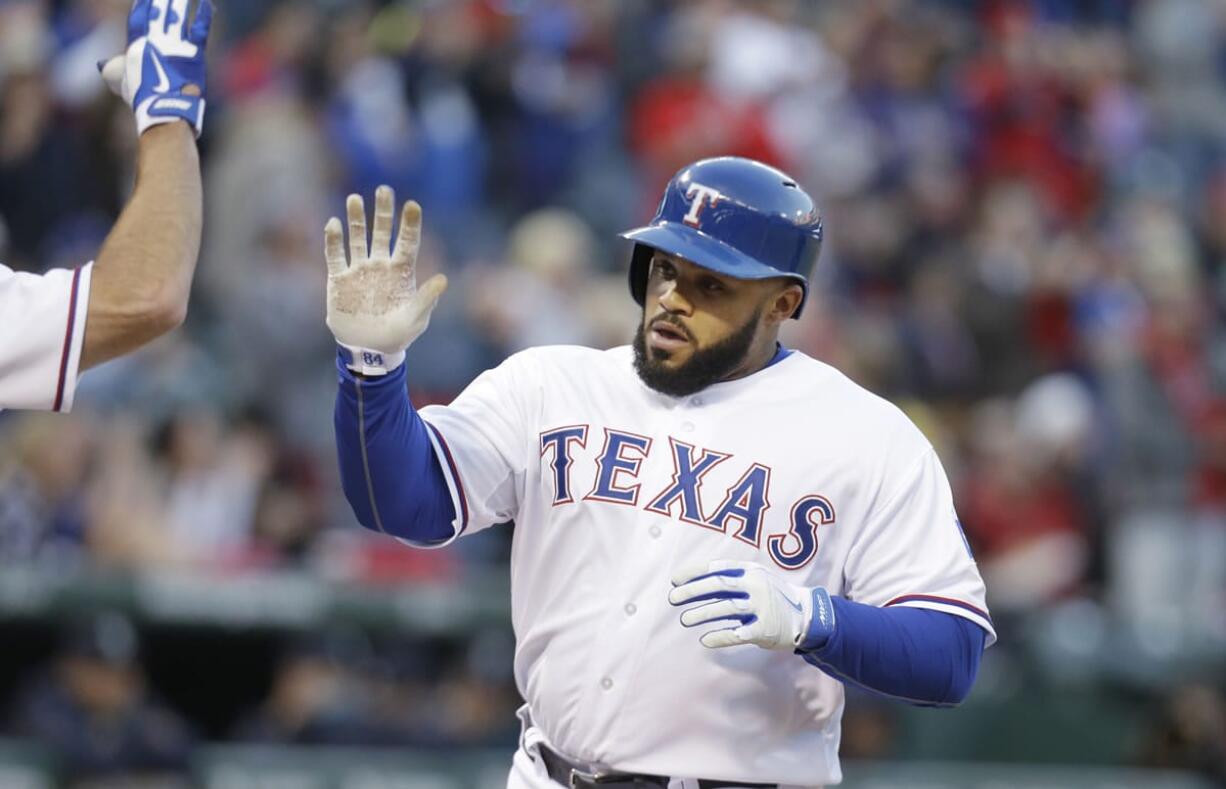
<point>696,401</point>
<point>631,609</point>
<point>687,427</point>
<point>654,531</point>
<point>606,683</point>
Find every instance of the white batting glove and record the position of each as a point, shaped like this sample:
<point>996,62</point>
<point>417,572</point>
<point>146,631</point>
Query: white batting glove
<point>750,605</point>
<point>162,73</point>
<point>375,309</point>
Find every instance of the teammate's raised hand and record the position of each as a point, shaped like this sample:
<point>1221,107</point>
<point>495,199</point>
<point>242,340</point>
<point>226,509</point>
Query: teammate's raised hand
<point>746,604</point>
<point>162,74</point>
<point>375,309</point>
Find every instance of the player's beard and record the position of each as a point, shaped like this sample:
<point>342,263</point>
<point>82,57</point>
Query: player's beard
<point>706,366</point>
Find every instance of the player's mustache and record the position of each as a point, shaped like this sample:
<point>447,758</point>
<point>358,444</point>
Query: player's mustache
<point>674,323</point>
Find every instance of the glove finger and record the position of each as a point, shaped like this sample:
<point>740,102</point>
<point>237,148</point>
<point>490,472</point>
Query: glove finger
<point>138,19</point>
<point>721,610</point>
<point>199,34</point>
<point>427,295</point>
<point>728,637</point>
<point>334,246</point>
<point>690,572</point>
<point>695,570</point>
<point>381,233</point>
<point>355,208</point>
<point>423,303</point>
<point>410,236</point>
<point>710,587</point>
<point>175,22</point>
<point>112,74</point>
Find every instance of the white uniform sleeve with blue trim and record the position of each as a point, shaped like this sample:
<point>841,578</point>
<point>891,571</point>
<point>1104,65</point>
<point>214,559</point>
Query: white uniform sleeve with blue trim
<point>42,329</point>
<point>912,552</point>
<point>482,444</point>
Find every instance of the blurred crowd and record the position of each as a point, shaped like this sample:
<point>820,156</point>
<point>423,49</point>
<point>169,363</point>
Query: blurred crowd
<point>96,704</point>
<point>1025,204</point>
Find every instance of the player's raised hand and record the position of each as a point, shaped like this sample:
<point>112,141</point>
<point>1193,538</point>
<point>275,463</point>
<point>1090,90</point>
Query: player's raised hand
<point>744,603</point>
<point>375,308</point>
<point>162,73</point>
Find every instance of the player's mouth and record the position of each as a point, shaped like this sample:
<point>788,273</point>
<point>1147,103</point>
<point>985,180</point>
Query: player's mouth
<point>667,337</point>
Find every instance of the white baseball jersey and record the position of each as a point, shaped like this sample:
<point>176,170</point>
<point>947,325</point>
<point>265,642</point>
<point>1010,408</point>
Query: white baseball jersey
<point>42,328</point>
<point>612,485</point>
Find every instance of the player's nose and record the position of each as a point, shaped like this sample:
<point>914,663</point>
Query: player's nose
<point>672,300</point>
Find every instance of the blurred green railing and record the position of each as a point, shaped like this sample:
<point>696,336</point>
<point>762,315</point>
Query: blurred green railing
<point>281,600</point>
<point>25,766</point>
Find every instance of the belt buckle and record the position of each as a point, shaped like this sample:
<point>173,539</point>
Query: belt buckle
<point>579,778</point>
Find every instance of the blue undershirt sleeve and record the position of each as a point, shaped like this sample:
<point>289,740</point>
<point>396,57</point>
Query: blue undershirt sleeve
<point>389,471</point>
<point>917,655</point>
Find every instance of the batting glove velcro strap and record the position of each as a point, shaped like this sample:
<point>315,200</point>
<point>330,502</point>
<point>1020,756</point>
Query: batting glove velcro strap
<point>162,73</point>
<point>744,602</point>
<point>821,622</point>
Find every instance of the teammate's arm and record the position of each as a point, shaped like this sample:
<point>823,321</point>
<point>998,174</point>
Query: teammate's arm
<point>142,276</point>
<point>56,325</point>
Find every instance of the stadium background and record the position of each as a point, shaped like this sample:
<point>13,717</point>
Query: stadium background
<point>1026,213</point>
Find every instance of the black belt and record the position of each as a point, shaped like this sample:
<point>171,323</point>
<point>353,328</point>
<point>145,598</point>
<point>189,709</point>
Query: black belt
<point>571,775</point>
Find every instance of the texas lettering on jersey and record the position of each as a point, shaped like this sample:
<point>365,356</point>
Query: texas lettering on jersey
<point>741,512</point>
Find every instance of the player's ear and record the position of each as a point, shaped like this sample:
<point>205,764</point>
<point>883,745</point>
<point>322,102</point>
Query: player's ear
<point>786,299</point>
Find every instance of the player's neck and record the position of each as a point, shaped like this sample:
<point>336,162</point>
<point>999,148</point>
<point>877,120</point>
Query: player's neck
<point>757,359</point>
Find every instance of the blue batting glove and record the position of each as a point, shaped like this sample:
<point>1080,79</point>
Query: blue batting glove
<point>162,74</point>
<point>745,603</point>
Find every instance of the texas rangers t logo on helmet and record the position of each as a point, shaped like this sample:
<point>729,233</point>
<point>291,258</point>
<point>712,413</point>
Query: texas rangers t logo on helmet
<point>700,195</point>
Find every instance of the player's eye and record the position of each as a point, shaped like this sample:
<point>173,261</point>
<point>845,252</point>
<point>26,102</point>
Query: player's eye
<point>713,285</point>
<point>665,270</point>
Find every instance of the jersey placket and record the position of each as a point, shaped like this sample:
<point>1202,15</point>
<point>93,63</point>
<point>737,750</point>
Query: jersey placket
<point>640,590</point>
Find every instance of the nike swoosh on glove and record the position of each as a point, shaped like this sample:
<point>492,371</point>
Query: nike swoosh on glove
<point>748,604</point>
<point>163,75</point>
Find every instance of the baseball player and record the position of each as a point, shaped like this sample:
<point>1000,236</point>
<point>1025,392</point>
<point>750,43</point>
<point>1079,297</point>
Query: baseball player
<point>713,533</point>
<point>61,323</point>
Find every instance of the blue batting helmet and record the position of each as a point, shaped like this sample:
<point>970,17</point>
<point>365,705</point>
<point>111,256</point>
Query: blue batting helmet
<point>732,216</point>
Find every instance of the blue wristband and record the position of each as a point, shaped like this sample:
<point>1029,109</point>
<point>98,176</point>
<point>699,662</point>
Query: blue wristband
<point>821,624</point>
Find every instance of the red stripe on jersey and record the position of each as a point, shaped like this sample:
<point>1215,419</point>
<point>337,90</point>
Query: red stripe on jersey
<point>67,352</point>
<point>910,598</point>
<point>455,474</point>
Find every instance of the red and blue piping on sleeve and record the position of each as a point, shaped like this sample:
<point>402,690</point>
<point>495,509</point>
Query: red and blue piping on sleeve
<point>62,384</point>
